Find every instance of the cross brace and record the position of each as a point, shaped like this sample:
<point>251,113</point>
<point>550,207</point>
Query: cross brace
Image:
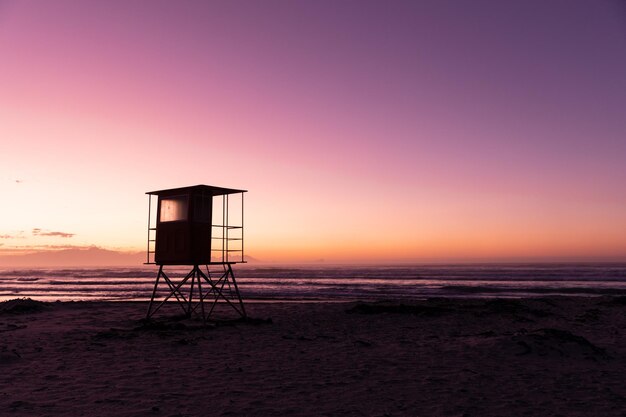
<point>217,289</point>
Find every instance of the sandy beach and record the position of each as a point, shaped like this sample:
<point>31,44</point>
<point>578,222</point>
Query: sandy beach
<point>531,357</point>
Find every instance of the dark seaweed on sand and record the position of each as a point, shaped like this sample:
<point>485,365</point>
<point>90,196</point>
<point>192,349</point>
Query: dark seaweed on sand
<point>22,306</point>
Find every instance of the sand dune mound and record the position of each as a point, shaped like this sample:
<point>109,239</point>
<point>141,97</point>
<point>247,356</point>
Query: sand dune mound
<point>8,356</point>
<point>621,300</point>
<point>435,307</point>
<point>511,307</point>
<point>22,306</point>
<point>554,343</point>
<point>412,309</point>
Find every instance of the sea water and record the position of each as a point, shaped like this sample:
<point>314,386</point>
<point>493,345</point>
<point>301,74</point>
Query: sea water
<point>329,282</point>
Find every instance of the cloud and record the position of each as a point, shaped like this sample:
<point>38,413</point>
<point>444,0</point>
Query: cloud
<point>41,232</point>
<point>19,235</point>
<point>59,234</point>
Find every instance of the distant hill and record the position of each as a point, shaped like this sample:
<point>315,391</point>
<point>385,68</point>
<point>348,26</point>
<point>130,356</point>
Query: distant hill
<point>92,256</point>
<point>250,259</point>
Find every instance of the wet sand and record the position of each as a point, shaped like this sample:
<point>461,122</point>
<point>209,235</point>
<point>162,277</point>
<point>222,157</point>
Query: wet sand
<point>531,357</point>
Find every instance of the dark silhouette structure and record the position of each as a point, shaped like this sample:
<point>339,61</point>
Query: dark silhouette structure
<point>192,226</point>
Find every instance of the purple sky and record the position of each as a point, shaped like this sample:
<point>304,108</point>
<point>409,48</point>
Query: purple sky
<point>365,130</point>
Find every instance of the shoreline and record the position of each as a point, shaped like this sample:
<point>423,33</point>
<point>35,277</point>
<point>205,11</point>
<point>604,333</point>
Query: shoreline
<point>448,357</point>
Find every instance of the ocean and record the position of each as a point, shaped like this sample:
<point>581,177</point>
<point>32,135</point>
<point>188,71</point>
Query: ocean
<point>330,283</point>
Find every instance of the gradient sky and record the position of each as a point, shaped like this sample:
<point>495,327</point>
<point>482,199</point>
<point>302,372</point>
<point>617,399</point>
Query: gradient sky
<point>364,130</point>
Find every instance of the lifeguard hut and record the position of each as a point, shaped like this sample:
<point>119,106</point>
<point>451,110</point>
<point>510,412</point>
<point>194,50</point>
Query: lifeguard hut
<point>200,225</point>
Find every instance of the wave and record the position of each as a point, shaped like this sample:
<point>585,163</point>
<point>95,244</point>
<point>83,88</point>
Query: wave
<point>331,282</point>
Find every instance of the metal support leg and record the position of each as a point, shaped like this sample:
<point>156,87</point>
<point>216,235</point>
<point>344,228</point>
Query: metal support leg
<point>156,284</point>
<point>232,275</point>
<point>193,278</point>
<point>201,296</point>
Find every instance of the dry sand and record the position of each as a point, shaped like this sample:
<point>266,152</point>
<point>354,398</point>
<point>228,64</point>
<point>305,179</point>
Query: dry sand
<point>536,357</point>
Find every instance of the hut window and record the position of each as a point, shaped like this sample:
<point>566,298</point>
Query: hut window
<point>173,209</point>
